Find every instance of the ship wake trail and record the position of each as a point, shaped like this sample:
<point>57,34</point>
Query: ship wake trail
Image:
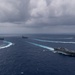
<point>62,38</point>
<point>42,46</point>
<point>54,41</point>
<point>6,44</point>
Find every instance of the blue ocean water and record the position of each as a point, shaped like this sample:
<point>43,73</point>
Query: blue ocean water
<point>35,55</point>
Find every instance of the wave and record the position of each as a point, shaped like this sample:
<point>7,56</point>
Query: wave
<point>42,46</point>
<point>54,41</point>
<point>6,44</point>
<point>61,38</point>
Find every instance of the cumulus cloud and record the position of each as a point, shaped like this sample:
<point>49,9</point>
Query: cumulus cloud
<point>37,16</point>
<point>52,11</point>
<point>13,10</point>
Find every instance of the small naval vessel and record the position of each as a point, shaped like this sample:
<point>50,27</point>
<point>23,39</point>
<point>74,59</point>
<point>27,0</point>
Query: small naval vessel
<point>24,37</point>
<point>1,38</point>
<point>64,51</point>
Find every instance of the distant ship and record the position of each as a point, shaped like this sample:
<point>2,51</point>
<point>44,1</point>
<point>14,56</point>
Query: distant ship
<point>24,37</point>
<point>65,51</point>
<point>1,38</point>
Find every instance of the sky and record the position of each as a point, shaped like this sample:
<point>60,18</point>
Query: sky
<point>37,16</point>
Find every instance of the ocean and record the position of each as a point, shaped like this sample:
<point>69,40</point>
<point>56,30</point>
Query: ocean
<point>36,56</point>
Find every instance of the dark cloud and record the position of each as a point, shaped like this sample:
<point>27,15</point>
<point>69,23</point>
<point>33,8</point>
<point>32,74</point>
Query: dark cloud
<point>13,10</point>
<point>52,11</point>
<point>39,16</point>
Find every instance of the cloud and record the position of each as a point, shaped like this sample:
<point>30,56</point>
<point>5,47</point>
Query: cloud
<point>32,12</point>
<point>52,12</point>
<point>37,16</point>
<point>13,10</point>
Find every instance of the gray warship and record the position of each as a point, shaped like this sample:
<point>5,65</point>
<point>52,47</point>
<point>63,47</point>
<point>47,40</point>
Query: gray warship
<point>24,37</point>
<point>1,38</point>
<point>65,51</point>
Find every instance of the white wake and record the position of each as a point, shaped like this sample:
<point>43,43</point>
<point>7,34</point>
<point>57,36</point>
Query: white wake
<point>42,46</point>
<point>6,44</point>
<point>54,41</point>
<point>62,38</point>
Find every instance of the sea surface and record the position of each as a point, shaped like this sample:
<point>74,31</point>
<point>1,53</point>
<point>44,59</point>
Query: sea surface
<point>36,56</point>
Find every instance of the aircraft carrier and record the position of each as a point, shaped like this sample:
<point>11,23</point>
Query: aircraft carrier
<point>64,51</point>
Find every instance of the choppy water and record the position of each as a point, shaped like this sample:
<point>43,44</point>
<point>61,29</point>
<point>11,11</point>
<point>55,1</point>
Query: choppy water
<point>35,55</point>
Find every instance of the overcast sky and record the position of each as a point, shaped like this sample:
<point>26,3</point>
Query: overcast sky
<point>37,16</point>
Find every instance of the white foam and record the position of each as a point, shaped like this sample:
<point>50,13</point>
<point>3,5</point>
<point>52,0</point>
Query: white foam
<point>46,47</point>
<point>54,41</point>
<point>8,44</point>
<point>62,38</point>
